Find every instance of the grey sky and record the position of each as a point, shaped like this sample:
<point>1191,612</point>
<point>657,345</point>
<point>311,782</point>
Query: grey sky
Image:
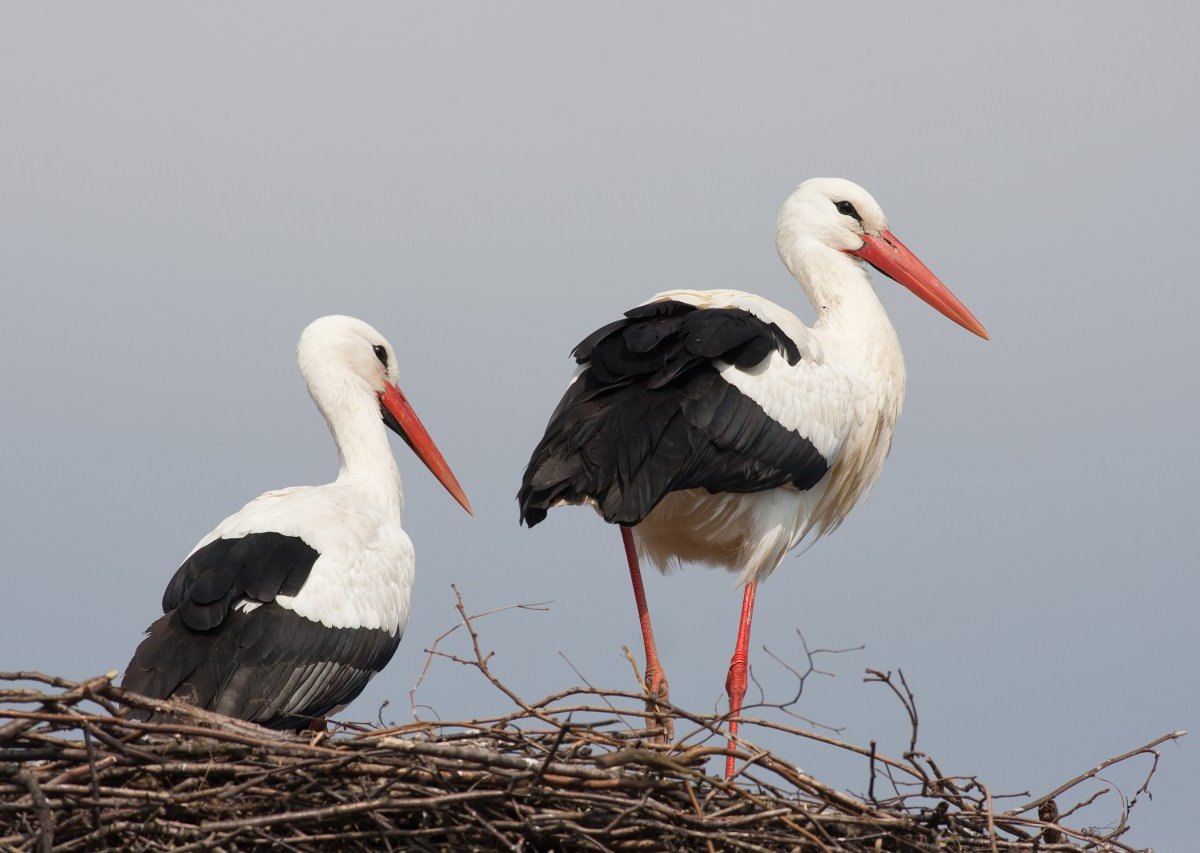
<point>183,188</point>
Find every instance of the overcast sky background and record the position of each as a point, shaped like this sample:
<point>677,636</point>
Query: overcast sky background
<point>184,187</point>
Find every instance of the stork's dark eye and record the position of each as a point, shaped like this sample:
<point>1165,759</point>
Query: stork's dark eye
<point>846,208</point>
<point>381,354</point>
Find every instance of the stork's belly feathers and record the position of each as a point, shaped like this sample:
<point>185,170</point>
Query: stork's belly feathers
<point>745,533</point>
<point>750,533</point>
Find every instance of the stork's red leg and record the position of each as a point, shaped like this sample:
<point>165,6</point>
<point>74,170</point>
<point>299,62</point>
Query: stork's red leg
<point>735,681</point>
<point>656,678</point>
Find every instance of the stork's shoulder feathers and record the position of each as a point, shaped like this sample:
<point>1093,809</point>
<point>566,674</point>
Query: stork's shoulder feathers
<point>331,518</point>
<point>808,396</point>
<point>764,309</point>
<point>365,561</point>
<point>681,394</point>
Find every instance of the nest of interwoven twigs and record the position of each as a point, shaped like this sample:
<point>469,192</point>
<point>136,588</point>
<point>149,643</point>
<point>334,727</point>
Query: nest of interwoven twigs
<point>583,769</point>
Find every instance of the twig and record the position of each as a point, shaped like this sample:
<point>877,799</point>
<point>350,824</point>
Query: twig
<point>1099,768</point>
<point>906,699</point>
<point>42,808</point>
<point>432,651</point>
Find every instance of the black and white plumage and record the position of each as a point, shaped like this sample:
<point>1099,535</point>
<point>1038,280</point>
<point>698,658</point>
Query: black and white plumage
<point>283,613</point>
<point>715,427</point>
<point>652,414</point>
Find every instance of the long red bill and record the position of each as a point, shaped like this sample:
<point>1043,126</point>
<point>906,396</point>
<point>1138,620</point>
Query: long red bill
<point>892,258</point>
<point>409,427</point>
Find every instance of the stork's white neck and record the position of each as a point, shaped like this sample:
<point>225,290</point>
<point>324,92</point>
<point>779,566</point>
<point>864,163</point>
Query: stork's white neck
<point>842,295</point>
<point>364,455</point>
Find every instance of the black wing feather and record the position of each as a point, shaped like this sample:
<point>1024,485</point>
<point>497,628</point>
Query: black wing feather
<point>261,565</point>
<point>269,664</point>
<point>652,415</point>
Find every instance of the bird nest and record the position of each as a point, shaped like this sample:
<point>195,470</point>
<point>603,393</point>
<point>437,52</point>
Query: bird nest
<point>580,769</point>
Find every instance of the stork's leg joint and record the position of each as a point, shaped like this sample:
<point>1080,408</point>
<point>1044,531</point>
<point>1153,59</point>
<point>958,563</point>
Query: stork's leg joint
<point>737,677</point>
<point>656,678</point>
<point>658,698</point>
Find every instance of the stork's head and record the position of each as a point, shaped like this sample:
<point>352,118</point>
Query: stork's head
<point>349,368</point>
<point>830,217</point>
<point>350,350</point>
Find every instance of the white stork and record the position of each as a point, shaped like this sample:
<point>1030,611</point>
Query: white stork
<point>284,612</point>
<point>715,427</point>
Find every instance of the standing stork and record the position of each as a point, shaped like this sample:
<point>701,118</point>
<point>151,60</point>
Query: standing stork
<point>284,612</point>
<point>715,427</point>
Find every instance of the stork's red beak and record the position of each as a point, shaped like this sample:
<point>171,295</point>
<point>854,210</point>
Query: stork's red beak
<point>407,425</point>
<point>892,258</point>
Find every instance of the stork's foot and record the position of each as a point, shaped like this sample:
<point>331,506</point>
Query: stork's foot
<point>658,697</point>
<point>735,687</point>
<point>318,730</point>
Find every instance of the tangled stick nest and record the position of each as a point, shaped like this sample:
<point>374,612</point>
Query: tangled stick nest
<point>577,770</point>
